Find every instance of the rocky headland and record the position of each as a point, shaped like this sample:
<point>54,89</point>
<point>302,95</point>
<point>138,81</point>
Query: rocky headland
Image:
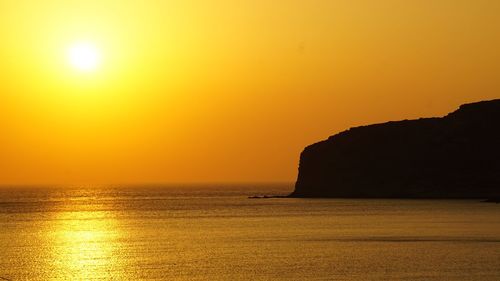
<point>456,156</point>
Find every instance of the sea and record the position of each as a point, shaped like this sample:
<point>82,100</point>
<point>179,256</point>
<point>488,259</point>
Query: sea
<point>215,232</point>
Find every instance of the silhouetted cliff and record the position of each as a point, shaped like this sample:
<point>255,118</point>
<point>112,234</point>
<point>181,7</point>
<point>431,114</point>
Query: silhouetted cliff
<point>457,156</point>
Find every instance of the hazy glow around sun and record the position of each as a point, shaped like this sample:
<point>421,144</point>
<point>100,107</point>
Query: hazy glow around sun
<point>84,56</point>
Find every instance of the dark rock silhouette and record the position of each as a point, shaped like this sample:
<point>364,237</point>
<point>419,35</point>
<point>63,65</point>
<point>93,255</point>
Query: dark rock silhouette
<point>457,156</point>
<point>493,200</point>
<point>267,196</point>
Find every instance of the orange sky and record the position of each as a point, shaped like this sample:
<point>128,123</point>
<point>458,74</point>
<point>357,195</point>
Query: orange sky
<point>225,90</point>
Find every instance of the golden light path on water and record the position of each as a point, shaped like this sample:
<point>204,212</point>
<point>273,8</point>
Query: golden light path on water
<point>79,239</point>
<point>84,247</point>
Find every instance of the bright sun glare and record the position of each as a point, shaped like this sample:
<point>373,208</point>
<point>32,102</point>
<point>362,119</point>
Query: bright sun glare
<point>84,57</point>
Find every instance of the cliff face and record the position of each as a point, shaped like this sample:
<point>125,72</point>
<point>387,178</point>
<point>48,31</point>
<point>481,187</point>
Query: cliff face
<point>457,156</point>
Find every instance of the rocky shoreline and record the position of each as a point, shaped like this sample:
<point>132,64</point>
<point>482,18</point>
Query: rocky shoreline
<point>456,156</point>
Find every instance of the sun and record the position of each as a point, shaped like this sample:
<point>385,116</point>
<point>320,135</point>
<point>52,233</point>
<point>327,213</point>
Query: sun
<point>84,56</point>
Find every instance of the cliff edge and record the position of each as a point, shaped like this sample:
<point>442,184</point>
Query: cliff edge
<point>456,156</point>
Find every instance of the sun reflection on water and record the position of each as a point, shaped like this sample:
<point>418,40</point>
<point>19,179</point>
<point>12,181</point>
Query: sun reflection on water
<point>85,246</point>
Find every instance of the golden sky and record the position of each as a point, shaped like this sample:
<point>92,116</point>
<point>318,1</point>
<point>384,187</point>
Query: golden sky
<point>225,90</point>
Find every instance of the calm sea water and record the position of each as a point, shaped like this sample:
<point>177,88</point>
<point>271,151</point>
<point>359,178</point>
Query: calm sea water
<point>216,233</point>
